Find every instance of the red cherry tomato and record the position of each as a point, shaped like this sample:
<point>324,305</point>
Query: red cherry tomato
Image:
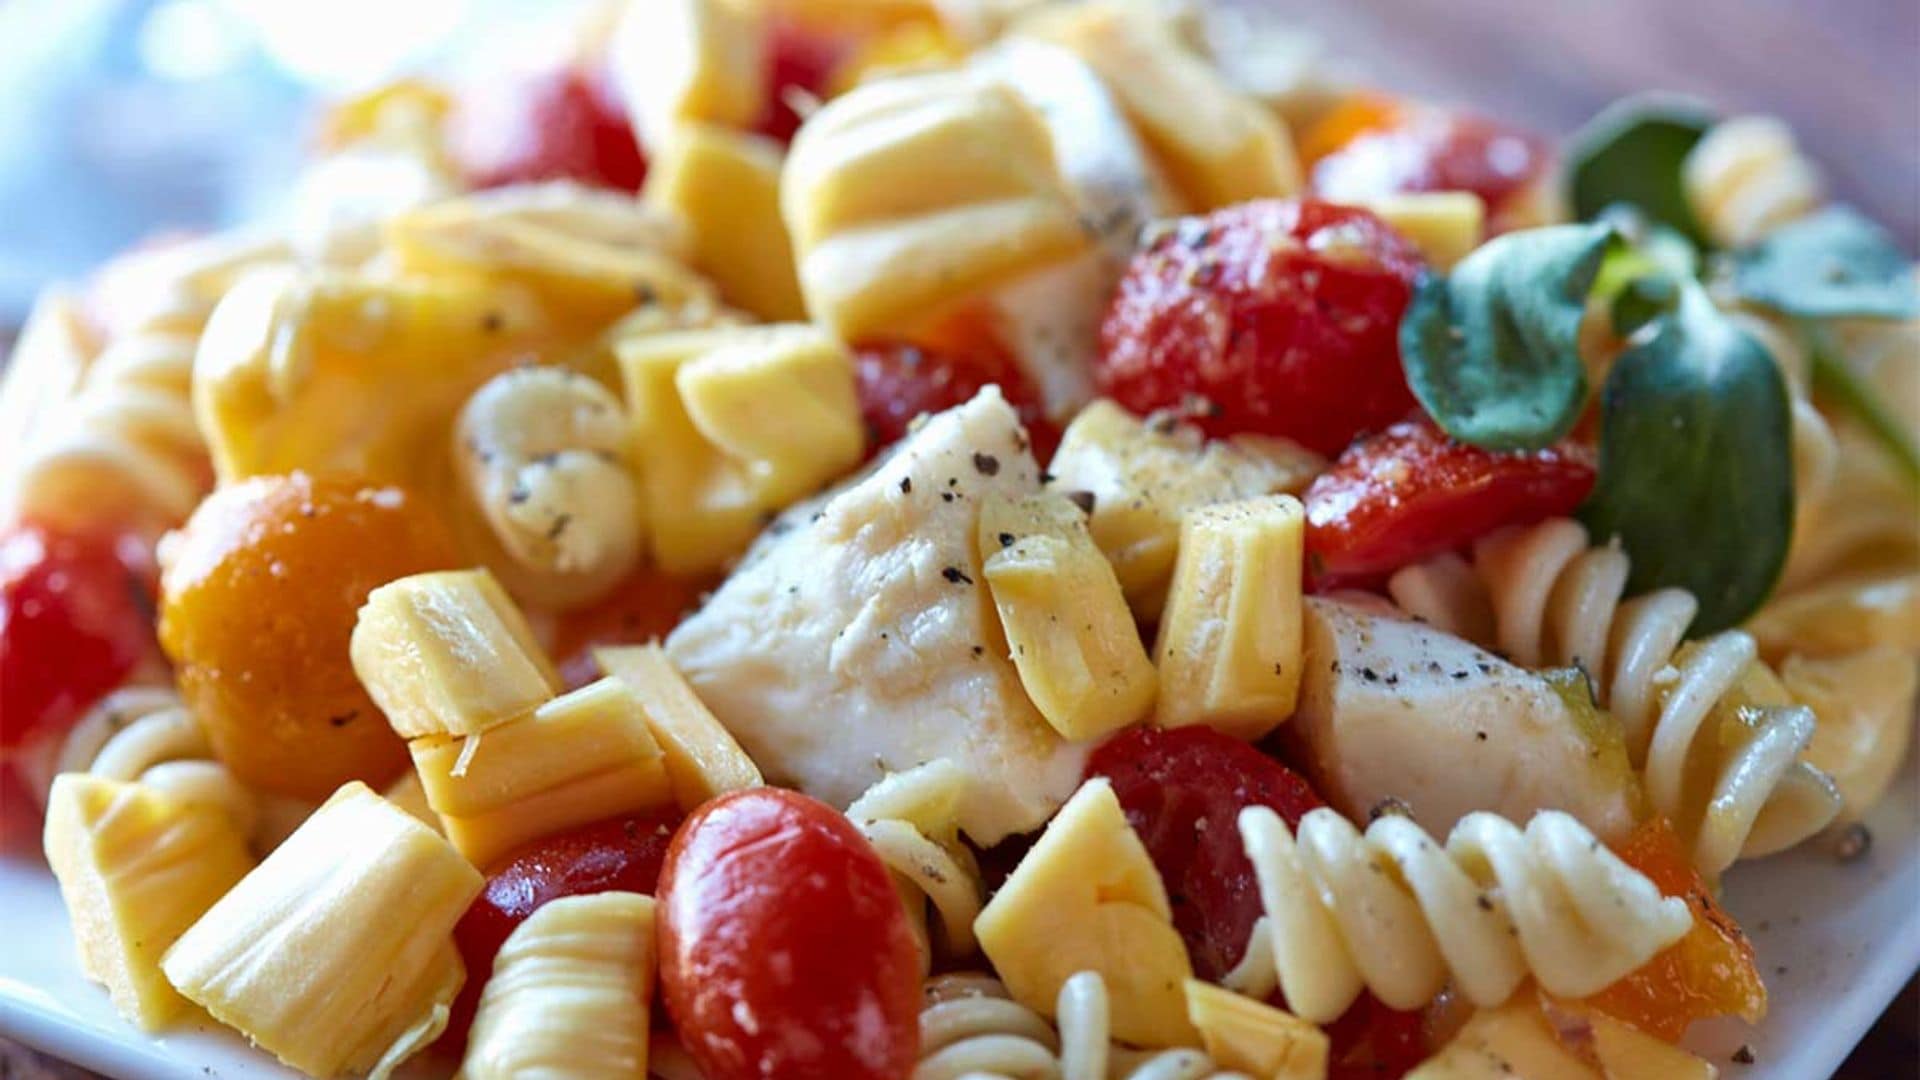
<point>562,124</point>
<point>620,854</point>
<point>784,950</point>
<point>800,62</point>
<point>897,382</point>
<point>1183,789</point>
<point>1411,492</point>
<point>1433,149</point>
<point>647,604</point>
<point>76,616</point>
<point>1275,317</point>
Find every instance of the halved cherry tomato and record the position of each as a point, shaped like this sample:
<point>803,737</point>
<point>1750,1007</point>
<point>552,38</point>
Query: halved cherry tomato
<point>897,382</point>
<point>76,616</point>
<point>1372,1041</point>
<point>784,950</point>
<point>801,62</point>
<point>619,854</point>
<point>1274,317</point>
<point>566,123</point>
<point>1183,789</point>
<point>645,605</point>
<point>1708,973</point>
<point>1425,148</point>
<point>1411,492</point>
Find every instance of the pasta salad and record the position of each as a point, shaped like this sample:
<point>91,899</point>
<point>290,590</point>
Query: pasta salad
<point>964,538</point>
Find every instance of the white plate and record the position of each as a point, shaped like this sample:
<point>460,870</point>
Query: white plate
<point>1836,942</point>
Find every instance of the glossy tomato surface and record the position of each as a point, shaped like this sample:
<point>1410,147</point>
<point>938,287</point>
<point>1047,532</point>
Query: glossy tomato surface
<point>622,854</point>
<point>1183,790</point>
<point>897,382</point>
<point>260,597</point>
<point>785,951</point>
<point>564,123</point>
<point>1424,148</point>
<point>1411,492</point>
<point>1278,317</point>
<point>76,618</point>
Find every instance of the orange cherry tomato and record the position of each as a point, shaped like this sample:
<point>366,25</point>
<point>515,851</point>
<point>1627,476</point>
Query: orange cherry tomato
<point>1710,972</point>
<point>258,602</point>
<point>784,950</point>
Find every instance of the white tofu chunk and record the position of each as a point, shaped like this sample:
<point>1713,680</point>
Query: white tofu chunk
<point>858,638</point>
<point>1394,709</point>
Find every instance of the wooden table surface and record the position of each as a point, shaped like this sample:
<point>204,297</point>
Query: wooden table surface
<point>1844,73</point>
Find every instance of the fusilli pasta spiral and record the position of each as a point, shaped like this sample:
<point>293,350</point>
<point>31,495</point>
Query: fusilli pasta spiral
<point>543,454</point>
<point>126,443</point>
<point>1746,177</point>
<point>972,1028</point>
<point>147,734</point>
<point>1396,913</point>
<point>1543,597</point>
<point>909,818</point>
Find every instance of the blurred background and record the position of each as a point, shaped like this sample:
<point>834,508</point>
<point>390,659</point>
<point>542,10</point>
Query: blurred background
<point>122,117</point>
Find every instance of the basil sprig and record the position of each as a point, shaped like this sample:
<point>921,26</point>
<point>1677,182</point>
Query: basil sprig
<point>1632,153</point>
<point>1696,462</point>
<point>1492,350</point>
<point>1832,264</point>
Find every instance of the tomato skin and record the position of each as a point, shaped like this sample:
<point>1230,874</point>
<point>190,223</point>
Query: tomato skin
<point>896,382</point>
<point>1278,317</point>
<point>1183,789</point>
<point>1411,492</point>
<point>565,123</point>
<point>76,617</point>
<point>645,605</point>
<point>619,854</point>
<point>1423,148</point>
<point>784,950</point>
<point>799,59</point>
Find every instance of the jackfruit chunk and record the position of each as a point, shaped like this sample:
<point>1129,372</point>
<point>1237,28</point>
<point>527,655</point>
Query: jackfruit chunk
<point>335,954</point>
<point>448,653</point>
<point>1229,645</point>
<point>726,186</point>
<point>1444,225</point>
<point>579,758</point>
<point>907,196</point>
<point>1073,640</point>
<point>570,994</point>
<point>136,867</point>
<point>690,61</point>
<point>702,758</point>
<point>1143,475</point>
<point>732,424</point>
<point>1216,145</point>
<point>1087,898</point>
<point>1253,1037</point>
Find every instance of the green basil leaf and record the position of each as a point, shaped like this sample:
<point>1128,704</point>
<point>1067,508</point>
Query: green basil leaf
<point>1831,264</point>
<point>1492,350</point>
<point>1696,462</point>
<point>1632,153</point>
<point>1834,381</point>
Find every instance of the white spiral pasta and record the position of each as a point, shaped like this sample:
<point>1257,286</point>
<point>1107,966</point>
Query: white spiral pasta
<point>1543,597</point>
<point>125,443</point>
<point>146,734</point>
<point>1746,178</point>
<point>910,819</point>
<point>972,1028</point>
<point>542,452</point>
<point>1394,912</point>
